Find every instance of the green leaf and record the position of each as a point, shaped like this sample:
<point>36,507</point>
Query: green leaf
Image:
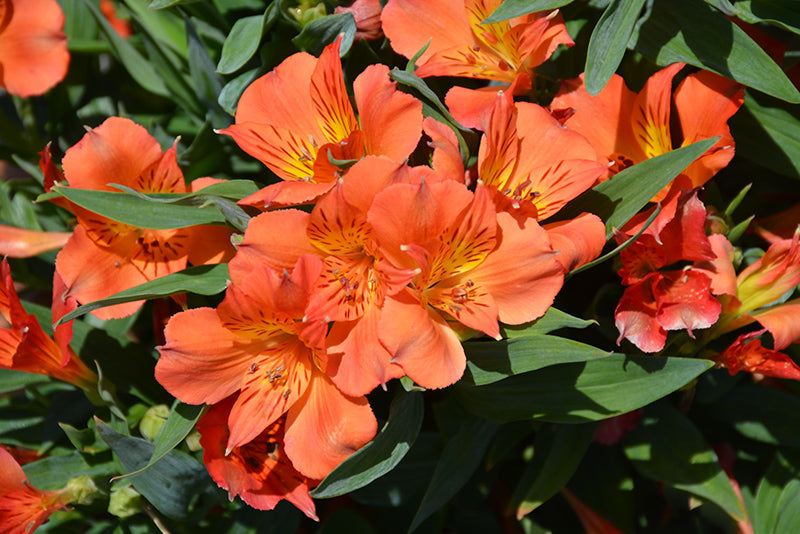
<point>166,27</point>
<point>461,457</point>
<point>782,13</point>
<point>229,189</point>
<point>11,380</point>
<point>698,34</point>
<point>323,31</point>
<point>201,280</point>
<point>136,65</point>
<point>137,211</point>
<point>206,81</point>
<point>380,455</point>
<point>242,43</point>
<point>232,92</point>
<point>516,8</point>
<point>161,4</point>
<point>578,392</point>
<point>490,361</point>
<point>172,486</point>
<point>553,319</point>
<point>556,456</point>
<point>760,413</point>
<point>608,42</point>
<point>181,420</point>
<point>764,130</point>
<point>618,199</point>
<point>54,472</point>
<point>668,448</point>
<point>777,499</point>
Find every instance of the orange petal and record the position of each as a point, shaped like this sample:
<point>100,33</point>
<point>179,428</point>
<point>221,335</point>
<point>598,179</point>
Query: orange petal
<point>781,321</point>
<point>276,238</point>
<point>210,244</point>
<point>282,98</point>
<point>286,194</point>
<point>22,243</point>
<point>604,119</point>
<point>635,317</point>
<point>578,241</point>
<point>704,102</point>
<point>118,151</point>
<point>325,427</point>
<point>747,354</point>
<point>720,270</point>
<point>391,120</point>
<point>409,24</point>
<point>329,96</point>
<point>357,361</point>
<point>92,273</point>
<point>33,47</point>
<point>203,368</point>
<point>446,159</point>
<point>651,112</point>
<point>421,342</point>
<point>473,107</point>
<point>522,273</point>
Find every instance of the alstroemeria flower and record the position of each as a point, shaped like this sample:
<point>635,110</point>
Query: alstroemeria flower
<point>659,299</point>
<point>768,278</point>
<point>256,344</point>
<point>104,256</point>
<point>476,267</point>
<point>259,471</point>
<point>25,347</point>
<point>33,47</point>
<point>531,163</point>
<point>747,354</point>
<point>297,117</point>
<point>355,277</point>
<point>24,508</point>
<point>627,128</point>
<point>461,46</point>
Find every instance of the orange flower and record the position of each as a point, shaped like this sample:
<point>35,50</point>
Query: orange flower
<point>22,507</point>
<point>355,276</point>
<point>25,347</point>
<point>104,257</point>
<point>532,164</point>
<point>257,344</point>
<point>626,128</point>
<point>295,117</point>
<point>258,471</point>
<point>475,267</point>
<point>33,47</point>
<point>461,46</point>
<point>768,278</point>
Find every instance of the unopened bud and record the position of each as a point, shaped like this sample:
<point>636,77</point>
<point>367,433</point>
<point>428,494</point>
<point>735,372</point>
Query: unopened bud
<point>79,490</point>
<point>153,420</point>
<point>124,501</point>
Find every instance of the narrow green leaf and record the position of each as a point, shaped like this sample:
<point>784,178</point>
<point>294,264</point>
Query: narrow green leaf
<point>782,13</point>
<point>609,41</point>
<point>490,361</point>
<point>241,44</point>
<point>181,420</point>
<point>760,413</point>
<point>516,8</point>
<point>136,65</point>
<point>11,380</point>
<point>54,472</point>
<point>578,392</point>
<point>172,486</point>
<point>230,189</point>
<point>166,27</point>
<point>668,448</point>
<point>206,81</point>
<point>136,211</point>
<point>556,456</point>
<point>778,496</point>
<point>321,32</point>
<point>618,199</point>
<point>764,129</point>
<point>553,319</point>
<point>461,457</point>
<point>201,280</point>
<point>698,34</point>
<point>232,92</point>
<point>162,4</point>
<point>382,454</point>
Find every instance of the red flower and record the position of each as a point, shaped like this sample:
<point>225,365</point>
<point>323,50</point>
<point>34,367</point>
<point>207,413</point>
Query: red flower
<point>747,354</point>
<point>259,471</point>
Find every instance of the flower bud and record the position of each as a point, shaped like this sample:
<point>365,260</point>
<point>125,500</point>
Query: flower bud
<point>124,501</point>
<point>153,420</point>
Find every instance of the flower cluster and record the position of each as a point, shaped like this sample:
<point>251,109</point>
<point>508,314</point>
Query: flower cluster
<point>393,229</point>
